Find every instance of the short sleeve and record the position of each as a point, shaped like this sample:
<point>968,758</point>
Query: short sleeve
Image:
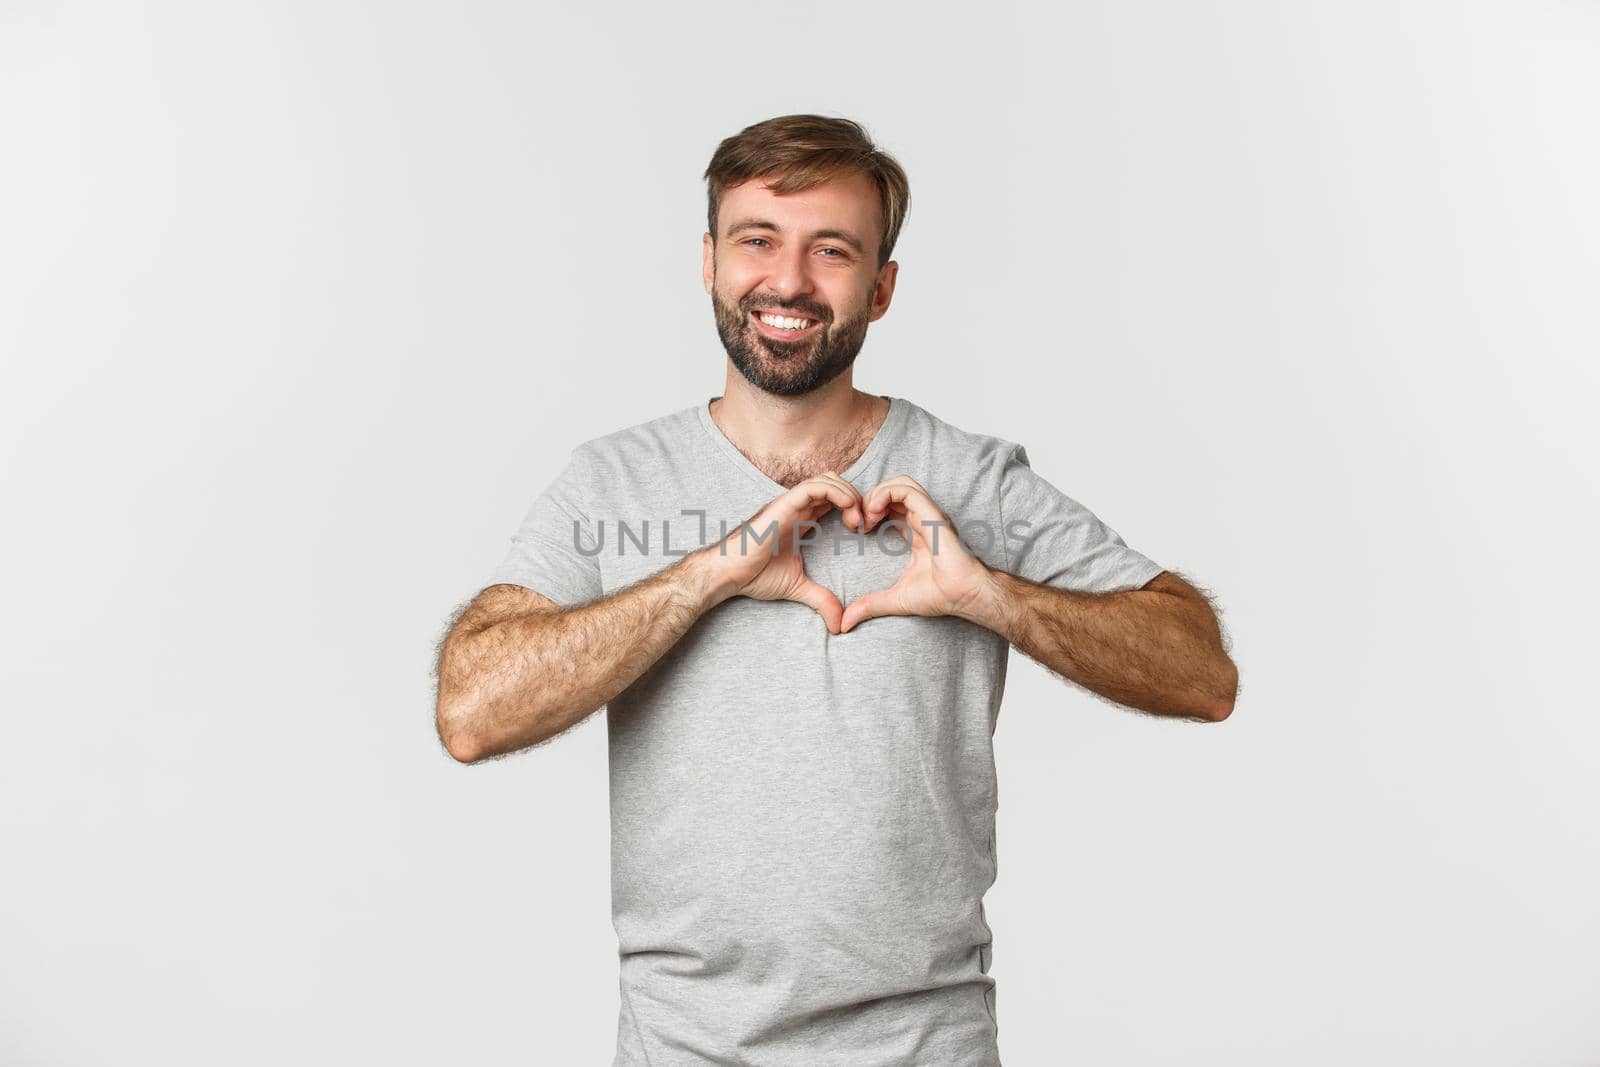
<point>1052,539</point>
<point>547,552</point>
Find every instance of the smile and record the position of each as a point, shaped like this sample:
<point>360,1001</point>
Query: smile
<point>783,327</point>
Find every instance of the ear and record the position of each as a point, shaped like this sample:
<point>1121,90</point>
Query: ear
<point>708,261</point>
<point>883,290</point>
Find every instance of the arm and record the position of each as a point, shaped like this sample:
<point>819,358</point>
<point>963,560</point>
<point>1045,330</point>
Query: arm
<point>1158,649</point>
<point>516,668</point>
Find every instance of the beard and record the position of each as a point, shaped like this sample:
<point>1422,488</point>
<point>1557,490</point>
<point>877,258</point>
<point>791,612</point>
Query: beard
<point>788,368</point>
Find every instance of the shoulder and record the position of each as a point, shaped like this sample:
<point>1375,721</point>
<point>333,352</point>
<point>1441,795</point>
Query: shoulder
<point>945,440</point>
<point>639,444</point>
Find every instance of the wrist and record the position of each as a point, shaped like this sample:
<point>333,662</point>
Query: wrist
<point>986,603</point>
<point>708,575</point>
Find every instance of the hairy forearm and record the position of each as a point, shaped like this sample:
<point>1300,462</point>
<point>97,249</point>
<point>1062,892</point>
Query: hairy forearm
<point>507,683</point>
<point>1154,651</point>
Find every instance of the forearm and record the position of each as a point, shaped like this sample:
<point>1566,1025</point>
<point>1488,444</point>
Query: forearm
<point>513,682</point>
<point>1154,651</point>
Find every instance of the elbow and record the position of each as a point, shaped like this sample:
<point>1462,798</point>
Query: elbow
<point>456,733</point>
<point>1227,692</point>
<point>461,744</point>
<point>462,748</point>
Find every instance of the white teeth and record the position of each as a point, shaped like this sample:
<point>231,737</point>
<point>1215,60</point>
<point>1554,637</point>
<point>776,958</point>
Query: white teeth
<point>783,323</point>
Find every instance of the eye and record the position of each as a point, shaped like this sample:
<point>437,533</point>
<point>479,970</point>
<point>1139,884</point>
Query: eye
<point>752,240</point>
<point>841,254</point>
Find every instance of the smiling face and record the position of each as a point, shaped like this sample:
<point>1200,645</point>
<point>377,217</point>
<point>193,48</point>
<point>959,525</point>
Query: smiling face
<point>794,280</point>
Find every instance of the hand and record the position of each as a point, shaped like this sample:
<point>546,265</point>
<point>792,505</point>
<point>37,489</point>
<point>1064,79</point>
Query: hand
<point>941,576</point>
<point>772,568</point>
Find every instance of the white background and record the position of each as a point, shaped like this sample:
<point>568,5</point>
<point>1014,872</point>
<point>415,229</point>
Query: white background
<point>301,304</point>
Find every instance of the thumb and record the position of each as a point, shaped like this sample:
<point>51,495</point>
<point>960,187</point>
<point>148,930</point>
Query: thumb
<point>870,606</point>
<point>820,600</point>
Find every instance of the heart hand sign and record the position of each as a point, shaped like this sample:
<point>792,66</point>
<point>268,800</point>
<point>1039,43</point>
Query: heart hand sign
<point>941,576</point>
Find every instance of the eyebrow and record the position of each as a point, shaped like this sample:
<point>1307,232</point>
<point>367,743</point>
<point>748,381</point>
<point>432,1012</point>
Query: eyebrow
<point>832,235</point>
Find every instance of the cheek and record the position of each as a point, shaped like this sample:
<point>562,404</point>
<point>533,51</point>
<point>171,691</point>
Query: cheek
<point>727,297</point>
<point>732,289</point>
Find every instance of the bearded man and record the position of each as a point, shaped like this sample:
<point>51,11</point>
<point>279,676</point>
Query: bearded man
<point>796,601</point>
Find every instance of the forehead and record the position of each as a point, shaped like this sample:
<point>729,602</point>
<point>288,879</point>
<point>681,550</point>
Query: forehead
<point>847,203</point>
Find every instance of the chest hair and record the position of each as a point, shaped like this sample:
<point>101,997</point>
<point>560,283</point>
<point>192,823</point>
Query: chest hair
<point>790,471</point>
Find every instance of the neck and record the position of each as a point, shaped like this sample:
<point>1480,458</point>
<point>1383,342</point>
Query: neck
<point>762,424</point>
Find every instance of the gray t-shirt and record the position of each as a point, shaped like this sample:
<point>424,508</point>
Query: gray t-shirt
<point>802,824</point>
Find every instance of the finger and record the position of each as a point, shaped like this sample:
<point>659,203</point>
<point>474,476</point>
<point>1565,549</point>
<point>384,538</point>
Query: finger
<point>871,605</point>
<point>855,513</point>
<point>825,492</point>
<point>810,515</point>
<point>878,497</point>
<point>911,497</point>
<point>837,492</point>
<point>901,497</point>
<point>821,600</point>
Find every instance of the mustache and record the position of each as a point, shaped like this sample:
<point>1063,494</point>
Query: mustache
<point>802,311</point>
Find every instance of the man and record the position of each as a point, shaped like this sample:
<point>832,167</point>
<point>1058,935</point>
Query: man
<point>797,602</point>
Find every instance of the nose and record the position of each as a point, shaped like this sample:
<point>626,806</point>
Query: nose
<point>790,275</point>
